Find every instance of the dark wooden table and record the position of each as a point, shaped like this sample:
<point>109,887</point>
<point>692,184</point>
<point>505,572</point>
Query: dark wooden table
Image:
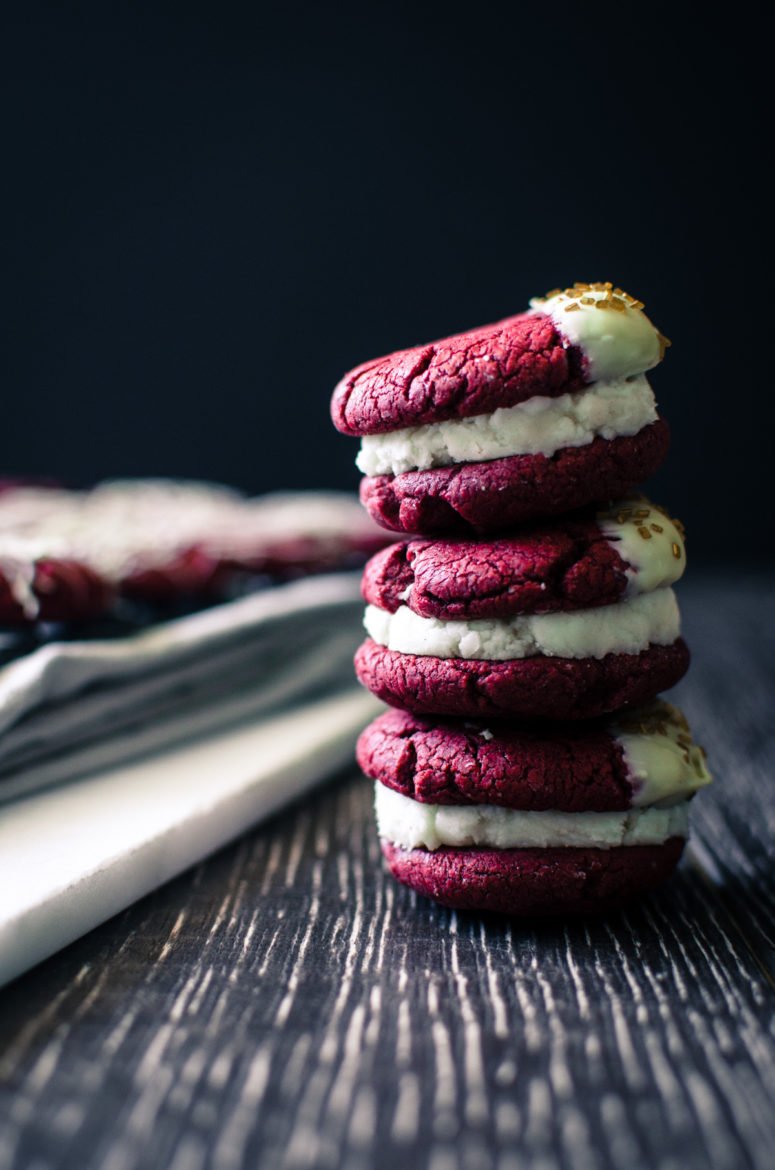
<point>287,1005</point>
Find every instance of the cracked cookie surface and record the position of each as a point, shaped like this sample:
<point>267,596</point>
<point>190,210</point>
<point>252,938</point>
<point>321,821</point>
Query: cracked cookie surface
<point>579,768</point>
<point>526,688</point>
<point>457,377</point>
<point>564,565</point>
<point>534,881</point>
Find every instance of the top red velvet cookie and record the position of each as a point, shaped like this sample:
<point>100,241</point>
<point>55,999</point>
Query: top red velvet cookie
<point>588,333</point>
<point>467,374</point>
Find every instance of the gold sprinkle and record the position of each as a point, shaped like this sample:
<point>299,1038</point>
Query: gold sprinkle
<point>644,532</point>
<point>613,298</point>
<point>664,343</point>
<point>657,528</point>
<point>676,551</point>
<point>572,308</point>
<point>642,513</point>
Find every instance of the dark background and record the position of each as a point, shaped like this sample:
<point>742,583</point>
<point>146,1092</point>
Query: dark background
<point>210,212</point>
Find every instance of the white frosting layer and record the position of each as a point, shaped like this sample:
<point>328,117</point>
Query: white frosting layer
<point>412,825</point>
<point>539,426</point>
<point>648,539</point>
<point>663,762</point>
<point>624,628</point>
<point>614,334</point>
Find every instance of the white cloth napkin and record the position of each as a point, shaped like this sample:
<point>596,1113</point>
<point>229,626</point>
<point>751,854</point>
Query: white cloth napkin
<point>72,706</point>
<point>172,740</point>
<point>77,854</point>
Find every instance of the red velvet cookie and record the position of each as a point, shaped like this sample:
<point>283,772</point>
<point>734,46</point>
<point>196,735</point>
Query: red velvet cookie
<point>526,882</point>
<point>576,768</point>
<point>49,589</point>
<point>526,688</point>
<point>466,374</point>
<point>536,415</point>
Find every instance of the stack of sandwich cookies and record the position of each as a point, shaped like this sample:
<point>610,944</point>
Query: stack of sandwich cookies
<point>525,635</point>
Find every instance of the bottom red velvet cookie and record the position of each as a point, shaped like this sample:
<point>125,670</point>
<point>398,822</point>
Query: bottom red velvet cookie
<point>523,882</point>
<point>526,688</point>
<point>491,496</point>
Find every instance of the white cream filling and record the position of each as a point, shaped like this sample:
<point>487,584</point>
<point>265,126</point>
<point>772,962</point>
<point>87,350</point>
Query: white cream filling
<point>648,539</point>
<point>624,628</point>
<point>611,329</point>
<point>539,426</point>
<point>412,825</point>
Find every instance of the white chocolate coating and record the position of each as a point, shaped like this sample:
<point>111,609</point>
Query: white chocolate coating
<point>646,538</point>
<point>626,627</point>
<point>614,334</point>
<point>665,765</point>
<point>413,825</point>
<point>538,426</point>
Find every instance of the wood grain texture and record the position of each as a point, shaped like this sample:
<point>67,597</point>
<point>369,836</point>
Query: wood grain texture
<point>287,1005</point>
